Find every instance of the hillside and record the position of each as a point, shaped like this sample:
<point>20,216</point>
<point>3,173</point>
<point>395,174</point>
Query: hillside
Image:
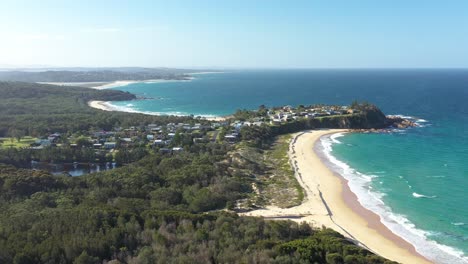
<point>38,108</point>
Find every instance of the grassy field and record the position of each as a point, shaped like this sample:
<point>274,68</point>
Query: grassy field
<point>273,178</point>
<point>14,143</point>
<point>282,187</point>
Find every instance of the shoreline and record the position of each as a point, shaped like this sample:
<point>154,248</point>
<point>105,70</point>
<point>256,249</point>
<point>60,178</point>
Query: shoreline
<point>330,202</point>
<point>114,84</point>
<point>106,106</point>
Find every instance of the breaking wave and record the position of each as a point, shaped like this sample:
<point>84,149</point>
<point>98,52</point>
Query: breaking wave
<point>360,184</point>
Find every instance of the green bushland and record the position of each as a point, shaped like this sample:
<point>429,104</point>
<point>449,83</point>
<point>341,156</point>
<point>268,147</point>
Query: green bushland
<point>159,209</point>
<point>35,109</point>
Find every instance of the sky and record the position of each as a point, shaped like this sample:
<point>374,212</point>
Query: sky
<point>235,34</point>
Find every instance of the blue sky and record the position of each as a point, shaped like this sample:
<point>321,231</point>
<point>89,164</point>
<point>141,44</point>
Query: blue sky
<point>251,34</point>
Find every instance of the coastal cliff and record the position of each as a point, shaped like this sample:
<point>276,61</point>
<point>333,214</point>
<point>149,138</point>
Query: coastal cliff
<point>370,117</point>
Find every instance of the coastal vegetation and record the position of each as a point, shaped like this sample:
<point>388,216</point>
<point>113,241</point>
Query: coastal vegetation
<point>273,179</point>
<point>94,75</point>
<point>34,109</point>
<point>170,203</point>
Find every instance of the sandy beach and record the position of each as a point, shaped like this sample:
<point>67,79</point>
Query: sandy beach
<point>101,105</point>
<point>108,85</point>
<point>329,202</point>
<point>106,106</point>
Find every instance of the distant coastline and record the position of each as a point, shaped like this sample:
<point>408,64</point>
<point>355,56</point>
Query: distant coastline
<point>114,84</point>
<point>119,83</point>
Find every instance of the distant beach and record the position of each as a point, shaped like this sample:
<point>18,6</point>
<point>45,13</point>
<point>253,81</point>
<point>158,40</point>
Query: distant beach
<point>107,106</point>
<point>329,202</point>
<point>114,84</point>
<point>102,105</point>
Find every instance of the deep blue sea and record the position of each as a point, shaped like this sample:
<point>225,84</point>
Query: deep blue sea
<point>415,179</point>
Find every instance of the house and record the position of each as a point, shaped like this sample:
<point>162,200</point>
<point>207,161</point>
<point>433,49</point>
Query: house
<point>43,142</point>
<point>110,145</point>
<point>151,126</point>
<point>159,142</point>
<point>275,121</point>
<point>53,137</point>
<point>177,149</point>
<point>257,123</point>
<point>97,145</point>
<point>100,134</point>
<point>231,138</point>
<point>149,137</point>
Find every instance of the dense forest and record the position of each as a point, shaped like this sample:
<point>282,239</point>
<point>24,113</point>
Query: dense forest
<point>158,210</point>
<point>163,208</point>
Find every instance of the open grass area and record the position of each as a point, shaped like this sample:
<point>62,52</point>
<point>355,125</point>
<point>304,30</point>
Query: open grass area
<point>24,142</point>
<point>273,178</point>
<point>282,187</point>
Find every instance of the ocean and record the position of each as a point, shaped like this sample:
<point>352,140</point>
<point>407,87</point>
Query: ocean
<point>416,179</point>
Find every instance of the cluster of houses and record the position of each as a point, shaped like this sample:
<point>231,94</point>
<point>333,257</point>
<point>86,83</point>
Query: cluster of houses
<point>158,136</point>
<point>162,136</point>
<point>288,113</point>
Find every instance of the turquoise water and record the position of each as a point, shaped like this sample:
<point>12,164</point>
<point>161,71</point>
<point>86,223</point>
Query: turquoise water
<point>416,179</point>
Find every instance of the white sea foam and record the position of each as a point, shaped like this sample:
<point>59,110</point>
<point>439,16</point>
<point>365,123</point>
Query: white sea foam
<point>417,195</point>
<point>403,116</point>
<point>458,224</point>
<point>418,121</point>
<point>359,184</point>
<point>335,136</point>
<point>130,109</point>
<point>125,83</point>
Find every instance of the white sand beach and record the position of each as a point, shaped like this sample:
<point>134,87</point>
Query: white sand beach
<point>107,106</point>
<point>101,105</point>
<point>108,85</point>
<point>329,202</point>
